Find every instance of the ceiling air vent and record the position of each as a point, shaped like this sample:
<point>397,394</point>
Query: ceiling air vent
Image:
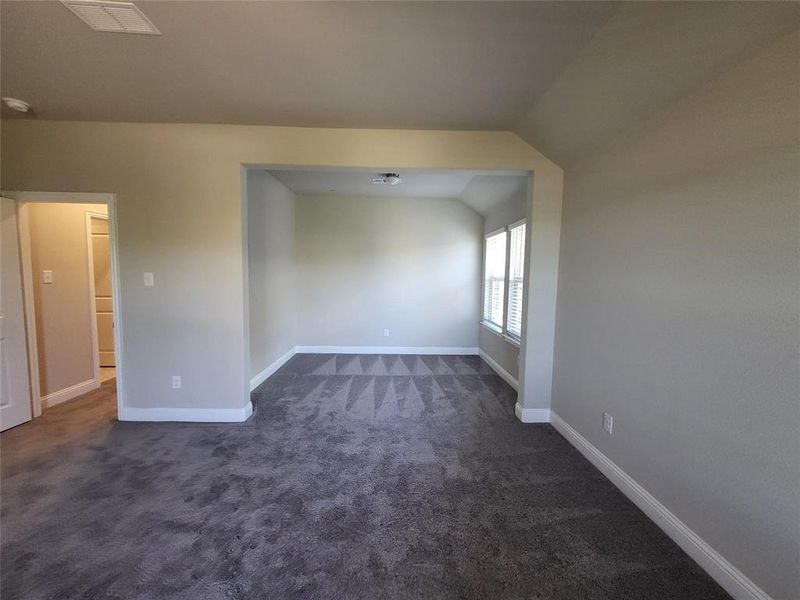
<point>119,17</point>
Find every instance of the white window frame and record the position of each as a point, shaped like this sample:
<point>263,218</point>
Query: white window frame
<point>494,328</point>
<point>513,336</point>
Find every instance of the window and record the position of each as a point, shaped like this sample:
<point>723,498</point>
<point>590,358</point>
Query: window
<point>516,270</point>
<point>494,279</point>
<point>503,276</point>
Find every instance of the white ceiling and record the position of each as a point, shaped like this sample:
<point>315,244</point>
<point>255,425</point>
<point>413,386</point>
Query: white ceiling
<point>480,190</point>
<point>431,65</point>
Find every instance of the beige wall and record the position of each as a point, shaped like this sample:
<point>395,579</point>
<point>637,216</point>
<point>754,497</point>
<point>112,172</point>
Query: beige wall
<point>410,265</point>
<point>271,269</point>
<point>678,311</point>
<point>58,242</point>
<point>180,216</point>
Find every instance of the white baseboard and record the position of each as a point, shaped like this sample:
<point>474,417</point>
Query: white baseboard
<point>262,376</point>
<point>508,377</point>
<point>188,415</point>
<point>70,392</point>
<point>532,415</point>
<point>384,350</point>
<point>736,583</point>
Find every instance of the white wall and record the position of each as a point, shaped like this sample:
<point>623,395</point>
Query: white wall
<point>509,211</point>
<point>410,265</point>
<point>496,347</point>
<point>271,269</point>
<point>58,243</point>
<point>678,311</point>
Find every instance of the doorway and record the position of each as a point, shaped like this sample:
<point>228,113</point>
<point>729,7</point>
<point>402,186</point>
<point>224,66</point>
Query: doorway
<point>390,264</point>
<point>70,297</point>
<point>15,404</point>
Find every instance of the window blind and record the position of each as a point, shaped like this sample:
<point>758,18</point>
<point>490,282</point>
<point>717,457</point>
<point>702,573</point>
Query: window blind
<point>494,279</point>
<point>516,271</point>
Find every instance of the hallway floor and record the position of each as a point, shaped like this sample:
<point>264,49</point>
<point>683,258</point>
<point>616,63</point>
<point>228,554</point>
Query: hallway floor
<point>359,476</point>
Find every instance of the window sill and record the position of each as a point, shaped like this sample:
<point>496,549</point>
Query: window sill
<point>499,333</point>
<point>492,327</point>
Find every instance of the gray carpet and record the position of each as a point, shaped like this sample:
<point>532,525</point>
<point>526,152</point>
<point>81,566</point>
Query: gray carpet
<point>358,477</point>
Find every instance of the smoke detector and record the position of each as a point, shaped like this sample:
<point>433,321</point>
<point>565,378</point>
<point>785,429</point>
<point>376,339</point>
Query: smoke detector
<point>117,17</point>
<point>17,104</point>
<point>388,179</point>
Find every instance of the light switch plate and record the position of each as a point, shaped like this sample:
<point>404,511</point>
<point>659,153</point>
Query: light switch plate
<point>148,279</point>
<point>47,276</point>
<point>608,423</point>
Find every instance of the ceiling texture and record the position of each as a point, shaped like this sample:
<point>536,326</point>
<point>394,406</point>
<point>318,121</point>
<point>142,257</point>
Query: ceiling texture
<point>567,77</point>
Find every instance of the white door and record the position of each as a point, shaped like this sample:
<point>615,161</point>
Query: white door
<point>104,305</point>
<point>15,393</point>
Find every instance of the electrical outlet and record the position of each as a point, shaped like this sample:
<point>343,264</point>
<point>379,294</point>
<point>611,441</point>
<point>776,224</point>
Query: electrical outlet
<point>608,423</point>
<point>176,382</point>
<point>385,333</point>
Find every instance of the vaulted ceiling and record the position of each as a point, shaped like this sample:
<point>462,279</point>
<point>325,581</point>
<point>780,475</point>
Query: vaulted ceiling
<point>426,65</point>
<point>567,77</point>
<point>647,56</point>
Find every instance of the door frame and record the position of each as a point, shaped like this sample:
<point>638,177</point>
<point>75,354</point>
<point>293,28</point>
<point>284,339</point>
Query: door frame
<point>23,402</point>
<point>90,214</point>
<point>25,198</point>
